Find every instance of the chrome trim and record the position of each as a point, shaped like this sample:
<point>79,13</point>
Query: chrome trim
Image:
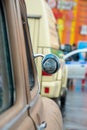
<point>42,126</point>
<point>38,55</point>
<point>34,16</point>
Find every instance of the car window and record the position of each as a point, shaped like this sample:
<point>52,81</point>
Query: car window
<point>30,70</point>
<point>6,83</point>
<point>27,46</point>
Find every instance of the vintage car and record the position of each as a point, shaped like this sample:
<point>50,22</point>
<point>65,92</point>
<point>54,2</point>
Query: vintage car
<point>21,105</point>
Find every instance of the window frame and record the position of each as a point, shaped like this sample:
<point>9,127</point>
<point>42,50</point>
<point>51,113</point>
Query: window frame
<point>27,39</point>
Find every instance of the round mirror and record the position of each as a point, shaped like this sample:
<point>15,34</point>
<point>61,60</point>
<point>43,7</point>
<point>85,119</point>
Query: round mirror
<point>50,63</point>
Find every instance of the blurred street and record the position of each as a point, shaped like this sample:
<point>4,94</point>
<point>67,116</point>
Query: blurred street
<point>75,117</point>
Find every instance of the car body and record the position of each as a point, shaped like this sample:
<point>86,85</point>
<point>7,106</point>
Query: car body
<point>45,39</point>
<point>76,69</point>
<point>21,105</point>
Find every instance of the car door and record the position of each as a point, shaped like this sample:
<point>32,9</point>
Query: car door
<point>14,105</point>
<point>36,110</point>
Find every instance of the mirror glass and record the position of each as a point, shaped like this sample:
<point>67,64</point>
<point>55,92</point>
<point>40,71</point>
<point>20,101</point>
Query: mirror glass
<point>50,63</point>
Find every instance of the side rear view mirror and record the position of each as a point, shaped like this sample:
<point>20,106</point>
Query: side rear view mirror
<point>50,63</point>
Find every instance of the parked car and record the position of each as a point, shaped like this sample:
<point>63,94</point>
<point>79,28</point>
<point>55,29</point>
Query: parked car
<point>77,69</point>
<point>45,39</point>
<point>21,105</point>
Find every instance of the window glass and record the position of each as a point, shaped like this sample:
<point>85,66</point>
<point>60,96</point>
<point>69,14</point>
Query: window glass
<point>30,70</point>
<point>6,84</point>
<point>27,45</point>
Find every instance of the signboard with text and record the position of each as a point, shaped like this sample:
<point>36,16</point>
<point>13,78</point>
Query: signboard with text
<point>66,5</point>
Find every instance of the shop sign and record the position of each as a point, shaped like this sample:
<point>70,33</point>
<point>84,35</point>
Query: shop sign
<point>83,30</point>
<point>66,5</point>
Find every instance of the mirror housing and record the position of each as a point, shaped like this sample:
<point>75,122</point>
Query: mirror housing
<point>50,63</point>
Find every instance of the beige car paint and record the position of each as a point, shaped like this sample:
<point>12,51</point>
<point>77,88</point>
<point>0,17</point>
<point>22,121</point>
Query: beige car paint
<point>29,109</point>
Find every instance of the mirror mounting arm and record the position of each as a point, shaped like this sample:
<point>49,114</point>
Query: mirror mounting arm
<point>38,55</point>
